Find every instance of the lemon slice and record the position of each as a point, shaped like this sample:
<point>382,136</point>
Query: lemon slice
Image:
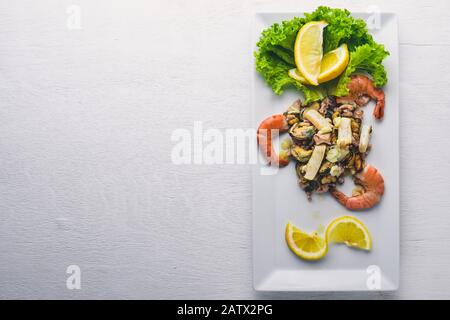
<point>350,231</point>
<point>308,50</point>
<point>294,74</point>
<point>333,63</point>
<point>304,245</point>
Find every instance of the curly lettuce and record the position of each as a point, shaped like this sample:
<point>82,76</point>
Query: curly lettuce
<point>275,72</point>
<point>275,54</point>
<point>365,59</point>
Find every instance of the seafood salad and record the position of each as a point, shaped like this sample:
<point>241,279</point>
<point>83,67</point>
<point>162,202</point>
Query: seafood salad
<point>340,141</point>
<point>328,141</point>
<point>332,60</point>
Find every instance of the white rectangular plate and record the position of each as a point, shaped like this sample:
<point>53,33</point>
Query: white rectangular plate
<point>277,198</point>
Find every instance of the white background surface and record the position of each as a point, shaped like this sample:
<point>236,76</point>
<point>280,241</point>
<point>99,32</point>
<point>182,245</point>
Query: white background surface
<point>85,171</point>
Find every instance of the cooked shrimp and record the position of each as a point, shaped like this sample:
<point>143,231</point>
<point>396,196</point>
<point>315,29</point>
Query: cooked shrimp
<point>372,184</point>
<point>361,89</point>
<point>264,136</point>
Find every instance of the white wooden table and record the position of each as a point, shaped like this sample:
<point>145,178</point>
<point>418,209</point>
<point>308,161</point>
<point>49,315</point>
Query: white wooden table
<point>86,176</point>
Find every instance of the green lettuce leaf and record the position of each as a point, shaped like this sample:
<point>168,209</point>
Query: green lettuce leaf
<point>275,54</point>
<point>342,28</point>
<point>365,59</point>
<point>275,72</point>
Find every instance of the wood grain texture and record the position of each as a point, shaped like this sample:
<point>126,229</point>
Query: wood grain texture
<point>85,171</point>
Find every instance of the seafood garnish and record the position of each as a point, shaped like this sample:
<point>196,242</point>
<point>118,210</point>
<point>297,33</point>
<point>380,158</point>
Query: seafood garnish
<point>318,120</point>
<point>302,131</point>
<point>364,137</point>
<point>371,190</point>
<point>314,162</point>
<point>264,136</point>
<point>300,154</point>
<point>361,91</point>
<point>329,142</point>
<point>344,133</point>
<point>336,64</point>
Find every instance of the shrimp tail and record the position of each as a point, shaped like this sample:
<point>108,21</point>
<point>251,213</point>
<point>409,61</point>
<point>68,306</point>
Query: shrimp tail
<point>340,196</point>
<point>378,112</point>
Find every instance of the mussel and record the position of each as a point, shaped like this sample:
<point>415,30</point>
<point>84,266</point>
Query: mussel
<point>302,155</point>
<point>301,132</point>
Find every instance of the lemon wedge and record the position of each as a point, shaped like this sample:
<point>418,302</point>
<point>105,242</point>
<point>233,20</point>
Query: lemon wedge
<point>304,245</point>
<point>333,63</point>
<point>350,231</point>
<point>308,50</point>
<point>295,74</point>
